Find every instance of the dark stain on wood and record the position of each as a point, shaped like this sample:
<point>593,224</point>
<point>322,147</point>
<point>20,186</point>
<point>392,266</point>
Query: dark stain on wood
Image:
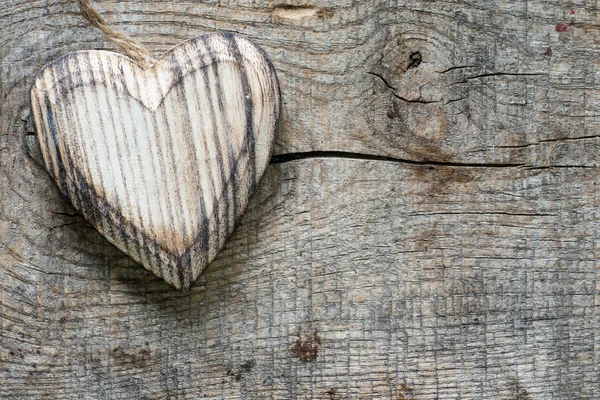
<point>415,59</point>
<point>519,391</point>
<point>443,179</point>
<point>292,11</point>
<point>405,392</point>
<point>307,348</point>
<point>132,356</point>
<point>331,392</point>
<point>324,12</point>
<point>238,372</point>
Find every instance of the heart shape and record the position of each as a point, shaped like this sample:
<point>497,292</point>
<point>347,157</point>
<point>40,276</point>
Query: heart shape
<point>161,161</point>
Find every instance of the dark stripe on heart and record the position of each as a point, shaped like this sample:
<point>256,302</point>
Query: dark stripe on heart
<point>211,189</point>
<point>97,208</point>
<point>231,183</point>
<point>165,159</point>
<point>150,241</point>
<point>167,219</point>
<point>204,229</point>
<point>116,124</point>
<point>46,136</point>
<point>61,178</point>
<point>176,72</point>
<point>223,200</point>
<point>101,205</point>
<point>249,144</point>
<point>53,124</point>
<point>116,216</point>
<point>143,242</point>
<point>184,269</point>
<point>181,265</point>
<point>62,70</point>
<point>201,243</point>
<point>76,184</point>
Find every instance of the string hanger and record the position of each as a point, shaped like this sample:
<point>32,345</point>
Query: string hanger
<point>128,44</point>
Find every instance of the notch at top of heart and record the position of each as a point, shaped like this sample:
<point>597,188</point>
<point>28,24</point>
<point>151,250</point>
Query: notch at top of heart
<point>149,86</point>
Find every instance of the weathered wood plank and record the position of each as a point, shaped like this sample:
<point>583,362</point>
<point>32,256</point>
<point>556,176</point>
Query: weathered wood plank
<point>422,281</point>
<point>455,282</point>
<point>498,83</point>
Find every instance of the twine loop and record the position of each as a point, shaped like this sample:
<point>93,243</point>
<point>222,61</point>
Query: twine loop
<point>128,44</point>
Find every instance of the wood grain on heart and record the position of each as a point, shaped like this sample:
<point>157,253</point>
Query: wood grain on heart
<point>161,161</point>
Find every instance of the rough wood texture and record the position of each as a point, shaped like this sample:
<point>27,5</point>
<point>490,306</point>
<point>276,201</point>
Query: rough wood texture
<point>459,262</point>
<point>161,161</point>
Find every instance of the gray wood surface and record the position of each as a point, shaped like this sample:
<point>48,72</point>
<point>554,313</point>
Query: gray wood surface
<point>458,260</point>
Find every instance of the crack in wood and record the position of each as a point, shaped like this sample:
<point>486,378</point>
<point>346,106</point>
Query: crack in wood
<point>63,225</point>
<point>385,82</point>
<point>65,214</point>
<point>455,68</point>
<point>415,100</point>
<point>487,213</point>
<point>563,139</point>
<point>288,157</point>
<point>491,74</point>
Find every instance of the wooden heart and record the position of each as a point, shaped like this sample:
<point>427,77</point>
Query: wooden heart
<point>161,161</point>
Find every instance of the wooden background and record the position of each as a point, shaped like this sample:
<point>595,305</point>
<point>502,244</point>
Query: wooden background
<point>428,228</point>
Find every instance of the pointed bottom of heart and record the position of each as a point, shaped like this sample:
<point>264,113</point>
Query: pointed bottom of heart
<point>178,269</point>
<point>177,262</point>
